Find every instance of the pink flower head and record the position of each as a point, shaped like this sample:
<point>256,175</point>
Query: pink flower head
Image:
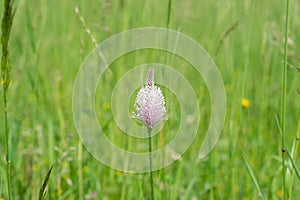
<point>150,103</point>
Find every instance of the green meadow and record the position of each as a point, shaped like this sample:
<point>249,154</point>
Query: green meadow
<point>49,40</point>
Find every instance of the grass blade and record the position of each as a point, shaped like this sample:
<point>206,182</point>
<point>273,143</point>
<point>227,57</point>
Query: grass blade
<point>169,13</point>
<point>225,35</point>
<point>42,193</point>
<point>253,177</point>
<point>286,149</point>
<point>293,163</point>
<point>6,25</point>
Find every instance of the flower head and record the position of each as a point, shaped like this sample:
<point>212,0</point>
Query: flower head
<point>150,103</point>
<point>245,103</point>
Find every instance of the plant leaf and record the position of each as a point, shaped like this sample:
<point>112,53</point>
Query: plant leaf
<point>252,174</point>
<point>42,192</point>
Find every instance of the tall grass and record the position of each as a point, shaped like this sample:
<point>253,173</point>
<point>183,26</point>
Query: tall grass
<point>46,42</point>
<point>7,22</point>
<point>283,101</point>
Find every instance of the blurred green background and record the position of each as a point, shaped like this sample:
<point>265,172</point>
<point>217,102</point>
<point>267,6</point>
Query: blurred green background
<point>245,39</point>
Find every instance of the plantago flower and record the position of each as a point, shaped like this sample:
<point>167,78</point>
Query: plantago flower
<point>150,103</point>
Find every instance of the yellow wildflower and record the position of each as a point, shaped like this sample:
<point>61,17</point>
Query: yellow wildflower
<point>245,103</point>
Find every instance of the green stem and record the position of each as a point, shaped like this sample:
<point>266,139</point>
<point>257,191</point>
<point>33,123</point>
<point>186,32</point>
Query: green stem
<point>283,98</point>
<point>5,71</point>
<point>80,176</point>
<point>169,13</point>
<point>150,164</point>
<point>7,143</point>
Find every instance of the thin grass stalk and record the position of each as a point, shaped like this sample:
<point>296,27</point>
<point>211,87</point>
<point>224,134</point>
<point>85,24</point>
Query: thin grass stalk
<point>80,151</point>
<point>169,10</point>
<point>283,99</point>
<point>90,33</point>
<point>80,172</point>
<point>7,136</point>
<point>169,13</point>
<point>150,164</point>
<point>7,21</point>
